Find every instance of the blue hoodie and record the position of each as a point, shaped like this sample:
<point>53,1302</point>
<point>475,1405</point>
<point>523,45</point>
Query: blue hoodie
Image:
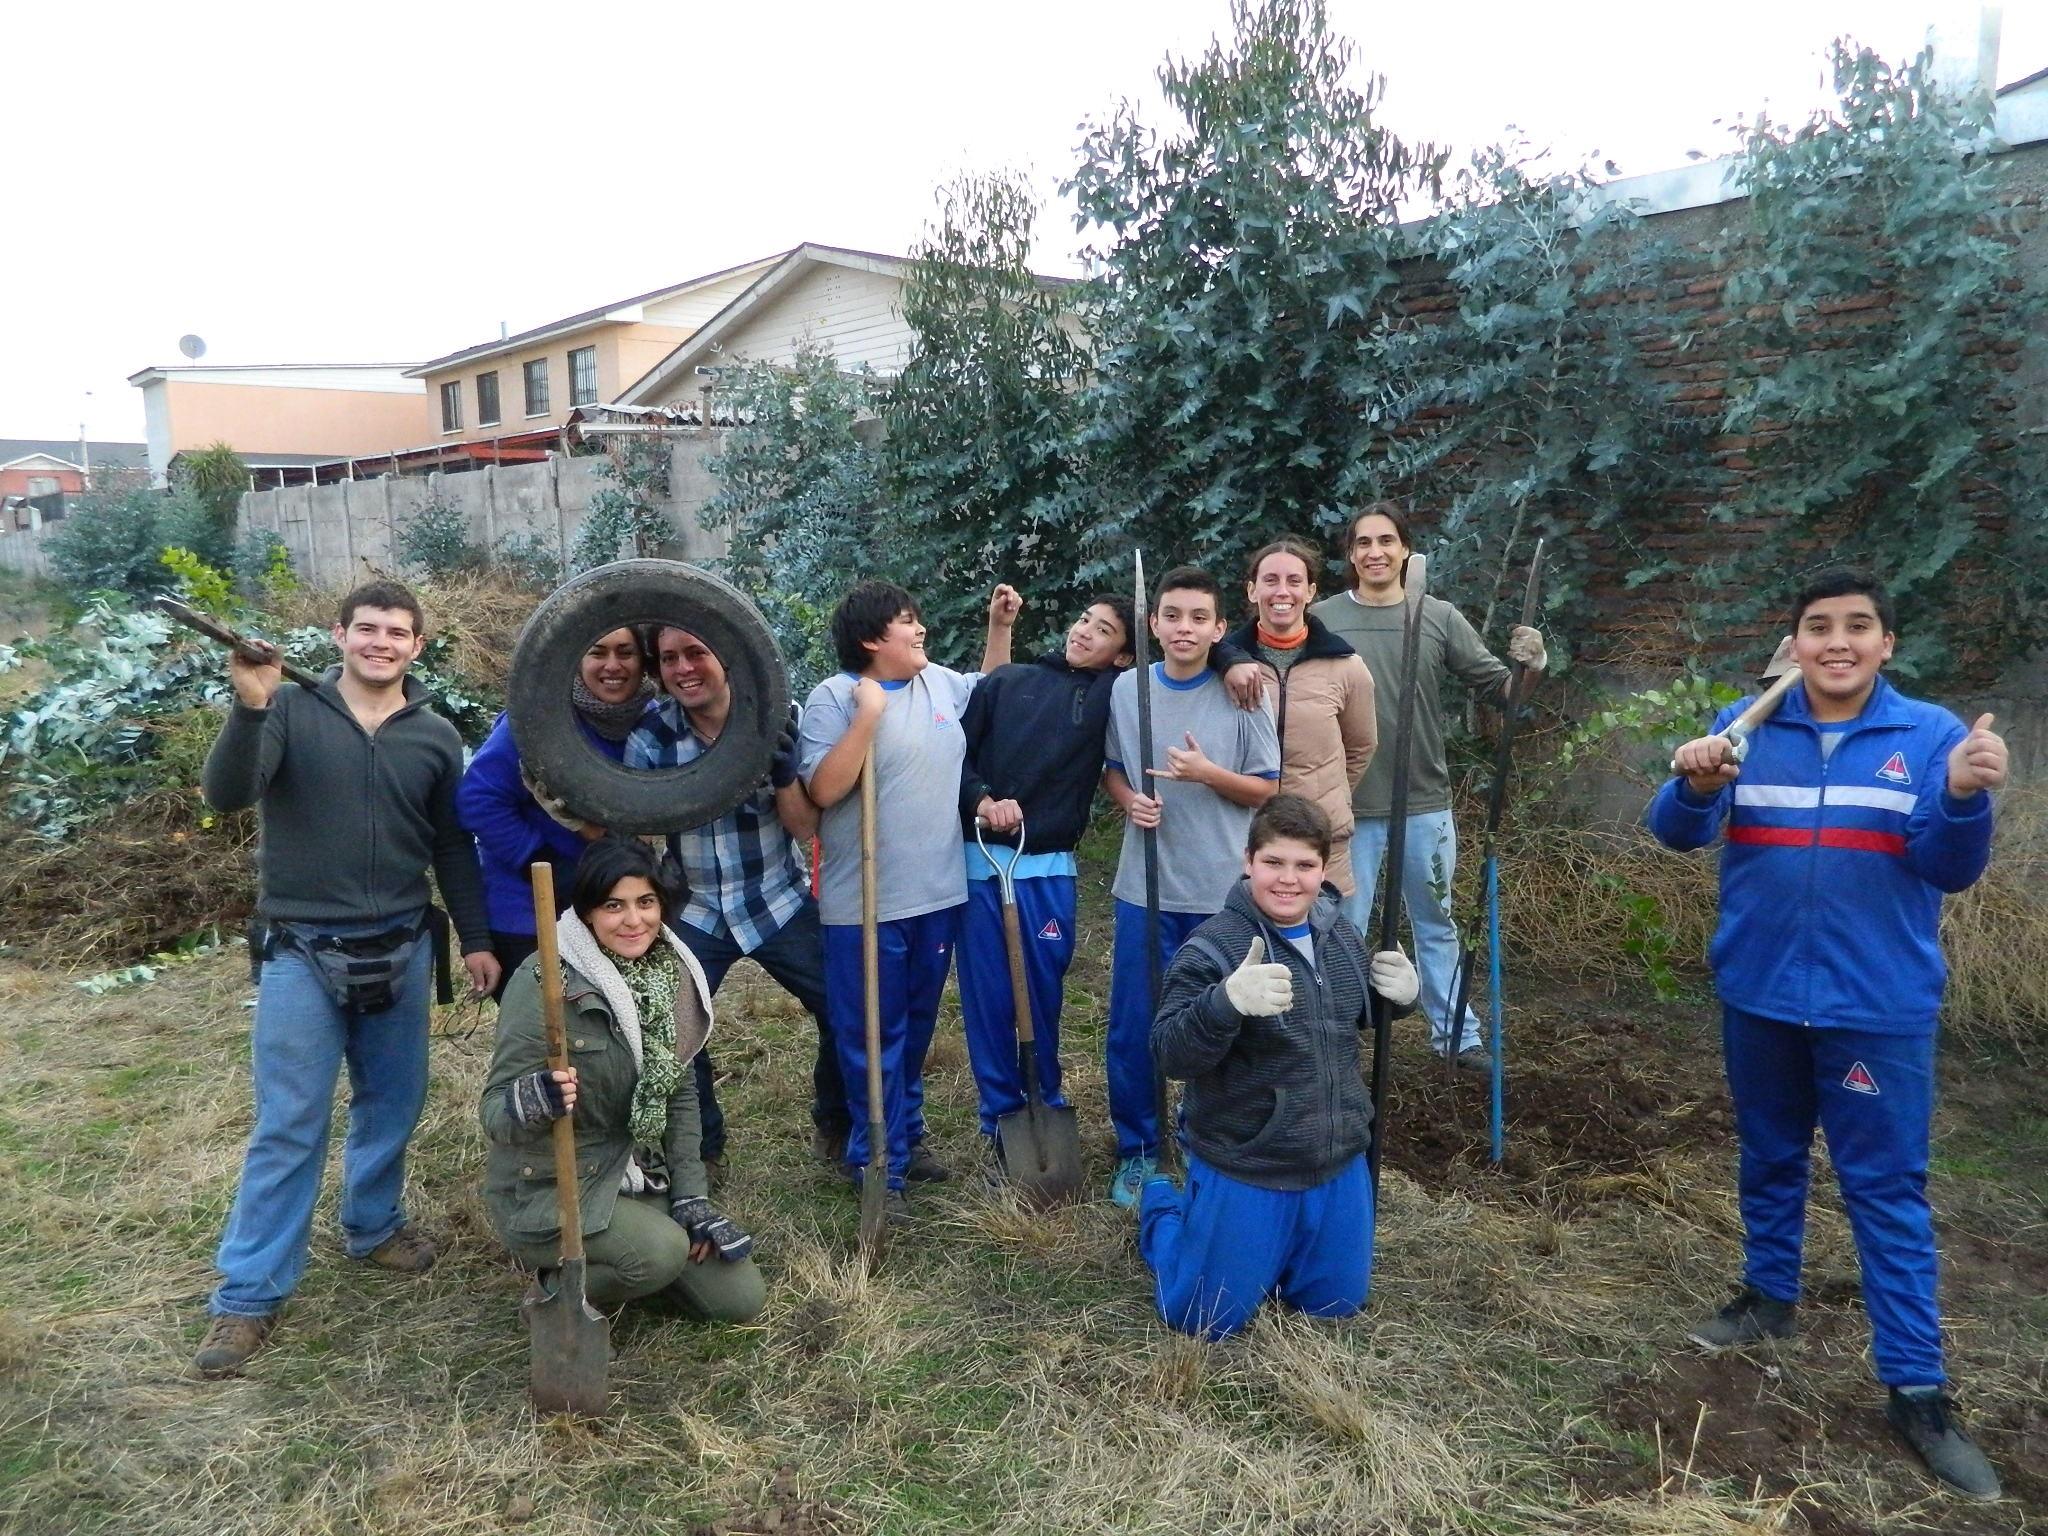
<point>1834,869</point>
<point>511,830</point>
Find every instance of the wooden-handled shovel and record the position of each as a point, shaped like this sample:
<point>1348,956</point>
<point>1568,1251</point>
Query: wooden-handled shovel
<point>874,1188</point>
<point>1041,1142</point>
<point>571,1339</point>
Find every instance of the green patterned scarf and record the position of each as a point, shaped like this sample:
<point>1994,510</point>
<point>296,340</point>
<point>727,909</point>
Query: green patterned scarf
<point>653,980</point>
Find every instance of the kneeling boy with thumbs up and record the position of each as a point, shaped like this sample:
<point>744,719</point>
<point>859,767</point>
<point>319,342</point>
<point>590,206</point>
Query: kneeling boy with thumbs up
<point>1260,1016</point>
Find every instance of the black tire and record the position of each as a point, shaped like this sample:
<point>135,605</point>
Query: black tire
<point>552,747</point>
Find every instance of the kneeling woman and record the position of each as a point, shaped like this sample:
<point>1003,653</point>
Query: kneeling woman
<point>635,1010</point>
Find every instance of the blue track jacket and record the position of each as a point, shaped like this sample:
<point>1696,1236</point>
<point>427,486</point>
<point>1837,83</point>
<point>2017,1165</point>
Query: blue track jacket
<point>1832,880</point>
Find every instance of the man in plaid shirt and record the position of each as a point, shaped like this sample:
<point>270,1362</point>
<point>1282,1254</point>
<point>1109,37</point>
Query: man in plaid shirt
<point>747,891</point>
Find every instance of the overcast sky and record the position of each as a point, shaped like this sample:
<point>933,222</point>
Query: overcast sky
<point>380,182</point>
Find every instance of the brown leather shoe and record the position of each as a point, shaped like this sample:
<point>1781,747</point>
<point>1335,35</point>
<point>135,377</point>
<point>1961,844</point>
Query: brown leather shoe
<point>229,1343</point>
<point>407,1250</point>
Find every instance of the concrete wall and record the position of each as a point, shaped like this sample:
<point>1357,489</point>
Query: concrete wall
<point>23,551</point>
<point>340,534</point>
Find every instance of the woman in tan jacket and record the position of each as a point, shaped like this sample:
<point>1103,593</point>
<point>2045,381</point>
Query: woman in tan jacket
<point>1328,727</point>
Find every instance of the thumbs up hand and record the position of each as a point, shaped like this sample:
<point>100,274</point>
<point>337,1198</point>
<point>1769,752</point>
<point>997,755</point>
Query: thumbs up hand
<point>1978,761</point>
<point>1256,990</point>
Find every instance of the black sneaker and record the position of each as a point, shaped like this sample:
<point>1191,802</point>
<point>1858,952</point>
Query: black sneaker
<point>896,1209</point>
<point>1926,1422</point>
<point>924,1168</point>
<point>1751,1316</point>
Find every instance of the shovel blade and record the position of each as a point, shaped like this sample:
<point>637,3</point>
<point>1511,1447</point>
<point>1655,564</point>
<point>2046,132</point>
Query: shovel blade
<point>874,1216</point>
<point>1042,1153</point>
<point>572,1347</point>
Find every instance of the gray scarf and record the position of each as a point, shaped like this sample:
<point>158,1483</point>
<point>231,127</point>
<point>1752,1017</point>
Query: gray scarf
<point>614,722</point>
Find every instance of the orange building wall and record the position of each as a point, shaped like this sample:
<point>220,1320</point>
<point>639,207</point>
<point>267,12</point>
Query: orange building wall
<point>255,419</point>
<point>14,482</point>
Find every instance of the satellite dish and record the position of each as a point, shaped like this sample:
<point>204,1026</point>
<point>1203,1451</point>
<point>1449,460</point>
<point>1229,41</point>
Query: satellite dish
<point>192,347</point>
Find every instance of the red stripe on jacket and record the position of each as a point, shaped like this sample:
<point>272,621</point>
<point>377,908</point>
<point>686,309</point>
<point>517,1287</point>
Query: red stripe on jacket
<point>1830,837</point>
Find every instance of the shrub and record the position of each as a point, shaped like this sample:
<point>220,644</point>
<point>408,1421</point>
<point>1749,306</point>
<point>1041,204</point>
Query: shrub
<point>435,541</point>
<point>114,541</point>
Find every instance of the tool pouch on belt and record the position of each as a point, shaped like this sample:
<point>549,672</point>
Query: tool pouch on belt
<point>361,973</point>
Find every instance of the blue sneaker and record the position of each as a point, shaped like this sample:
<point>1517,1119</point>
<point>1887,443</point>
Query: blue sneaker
<point>1129,1180</point>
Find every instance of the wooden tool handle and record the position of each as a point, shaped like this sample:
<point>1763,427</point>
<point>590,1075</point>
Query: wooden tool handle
<point>568,1196</point>
<point>1020,987</point>
<point>1765,706</point>
<point>259,651</point>
<point>870,953</point>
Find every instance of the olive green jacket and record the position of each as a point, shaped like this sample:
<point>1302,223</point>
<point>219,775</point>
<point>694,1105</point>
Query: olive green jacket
<point>519,1176</point>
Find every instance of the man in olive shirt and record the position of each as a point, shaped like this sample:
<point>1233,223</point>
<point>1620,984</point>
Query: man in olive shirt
<point>1370,617</point>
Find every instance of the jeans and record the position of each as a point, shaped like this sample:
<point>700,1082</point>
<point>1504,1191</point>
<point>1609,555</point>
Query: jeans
<point>301,1040</point>
<point>794,955</point>
<point>1427,864</point>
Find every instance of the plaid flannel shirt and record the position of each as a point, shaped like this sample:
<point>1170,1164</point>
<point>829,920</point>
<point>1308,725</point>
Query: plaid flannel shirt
<point>745,875</point>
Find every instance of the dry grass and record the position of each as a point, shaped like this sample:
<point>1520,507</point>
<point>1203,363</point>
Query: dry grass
<point>1996,934</point>
<point>145,875</point>
<point>1003,1373</point>
<point>1586,902</point>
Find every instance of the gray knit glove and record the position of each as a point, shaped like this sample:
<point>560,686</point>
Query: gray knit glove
<point>697,1217</point>
<point>535,1100</point>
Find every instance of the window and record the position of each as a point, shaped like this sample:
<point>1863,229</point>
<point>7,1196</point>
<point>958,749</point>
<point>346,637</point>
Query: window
<point>583,376</point>
<point>536,373</point>
<point>42,485</point>
<point>487,399</point>
<point>451,406</point>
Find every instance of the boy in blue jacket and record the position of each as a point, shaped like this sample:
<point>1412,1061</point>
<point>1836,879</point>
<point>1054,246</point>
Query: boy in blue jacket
<point>1035,734</point>
<point>1854,811</point>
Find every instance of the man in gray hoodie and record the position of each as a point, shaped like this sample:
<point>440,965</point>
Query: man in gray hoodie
<point>355,784</point>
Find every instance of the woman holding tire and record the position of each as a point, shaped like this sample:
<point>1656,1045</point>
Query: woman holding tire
<point>609,691</point>
<point>636,1010</point>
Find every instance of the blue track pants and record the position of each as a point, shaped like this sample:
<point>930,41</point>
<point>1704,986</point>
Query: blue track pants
<point>1873,1095</point>
<point>1045,920</point>
<point>1220,1249</point>
<point>1133,1106</point>
<point>916,953</point>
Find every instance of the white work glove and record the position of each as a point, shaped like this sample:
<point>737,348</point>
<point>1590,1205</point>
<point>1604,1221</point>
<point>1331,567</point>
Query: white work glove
<point>1525,645</point>
<point>1259,991</point>
<point>1394,978</point>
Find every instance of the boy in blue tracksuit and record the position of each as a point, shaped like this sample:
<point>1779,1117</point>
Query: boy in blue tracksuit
<point>1212,764</point>
<point>1260,1014</point>
<point>1855,810</point>
<point>892,698</point>
<point>1034,757</point>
